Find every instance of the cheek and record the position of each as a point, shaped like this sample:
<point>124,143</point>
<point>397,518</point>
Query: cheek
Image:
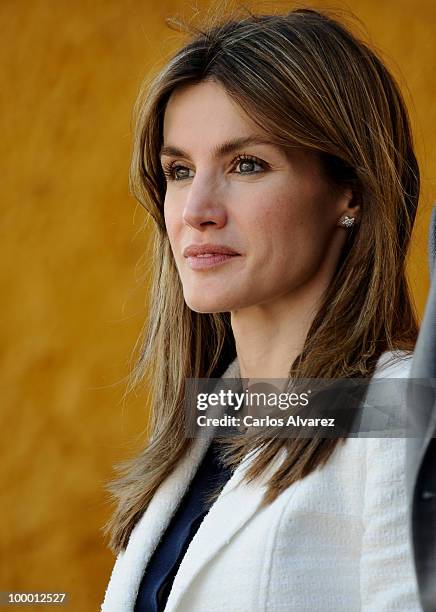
<point>287,228</point>
<point>278,218</point>
<point>172,222</point>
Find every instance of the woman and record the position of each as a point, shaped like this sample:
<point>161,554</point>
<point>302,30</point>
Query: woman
<point>275,157</point>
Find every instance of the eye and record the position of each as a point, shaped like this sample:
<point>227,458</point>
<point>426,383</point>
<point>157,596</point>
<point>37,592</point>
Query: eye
<point>175,172</point>
<point>247,162</point>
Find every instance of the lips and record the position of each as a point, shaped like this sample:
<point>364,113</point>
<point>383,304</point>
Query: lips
<point>204,250</point>
<point>208,256</point>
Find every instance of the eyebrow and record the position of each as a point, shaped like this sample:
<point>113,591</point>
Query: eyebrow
<point>222,149</point>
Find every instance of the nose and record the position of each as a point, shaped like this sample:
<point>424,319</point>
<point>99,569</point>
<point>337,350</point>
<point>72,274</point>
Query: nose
<point>204,205</point>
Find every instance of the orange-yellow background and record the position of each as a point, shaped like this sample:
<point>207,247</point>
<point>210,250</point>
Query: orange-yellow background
<point>72,293</point>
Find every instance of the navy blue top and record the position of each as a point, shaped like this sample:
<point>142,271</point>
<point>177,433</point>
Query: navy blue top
<point>164,563</point>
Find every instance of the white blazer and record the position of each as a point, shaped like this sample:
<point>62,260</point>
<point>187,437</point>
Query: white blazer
<point>335,541</point>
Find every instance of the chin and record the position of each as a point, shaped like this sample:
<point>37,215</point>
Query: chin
<point>206,308</point>
<point>208,304</point>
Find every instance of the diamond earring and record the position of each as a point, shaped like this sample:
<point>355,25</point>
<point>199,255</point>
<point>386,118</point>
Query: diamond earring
<point>347,221</point>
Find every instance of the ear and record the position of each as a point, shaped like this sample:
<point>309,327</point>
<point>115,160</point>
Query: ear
<point>351,205</point>
<point>350,209</point>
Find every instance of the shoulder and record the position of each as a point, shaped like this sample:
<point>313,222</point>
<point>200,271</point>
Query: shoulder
<point>383,423</point>
<point>394,364</point>
<point>383,410</point>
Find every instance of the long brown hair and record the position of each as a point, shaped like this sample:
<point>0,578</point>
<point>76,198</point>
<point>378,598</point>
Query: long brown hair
<point>309,82</point>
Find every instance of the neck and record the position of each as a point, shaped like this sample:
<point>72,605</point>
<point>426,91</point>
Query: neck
<point>271,335</point>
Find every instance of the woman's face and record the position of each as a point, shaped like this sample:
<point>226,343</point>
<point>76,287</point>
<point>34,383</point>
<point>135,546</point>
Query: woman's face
<point>273,209</point>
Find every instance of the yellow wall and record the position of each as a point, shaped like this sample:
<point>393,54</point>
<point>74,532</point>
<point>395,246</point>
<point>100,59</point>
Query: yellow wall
<point>72,299</point>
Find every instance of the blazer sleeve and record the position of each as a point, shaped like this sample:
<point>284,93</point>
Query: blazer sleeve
<point>387,574</point>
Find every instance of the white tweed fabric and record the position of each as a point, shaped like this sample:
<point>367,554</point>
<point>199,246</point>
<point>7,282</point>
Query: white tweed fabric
<point>336,541</point>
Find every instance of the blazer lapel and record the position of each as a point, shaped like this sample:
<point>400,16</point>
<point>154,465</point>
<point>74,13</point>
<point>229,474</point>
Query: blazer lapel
<point>236,504</point>
<point>129,566</point>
